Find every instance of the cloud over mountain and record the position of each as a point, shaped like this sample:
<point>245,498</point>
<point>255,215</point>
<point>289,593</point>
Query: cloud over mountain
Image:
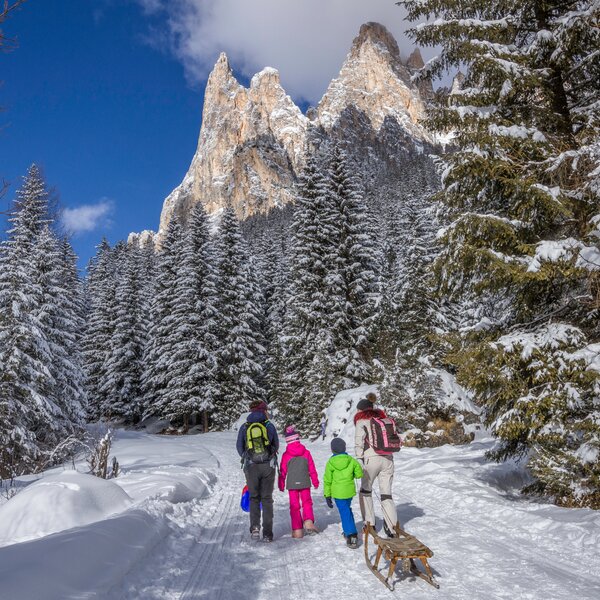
<point>306,40</point>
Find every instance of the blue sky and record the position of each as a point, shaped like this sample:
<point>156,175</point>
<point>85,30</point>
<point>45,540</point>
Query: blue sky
<point>112,121</point>
<point>106,95</point>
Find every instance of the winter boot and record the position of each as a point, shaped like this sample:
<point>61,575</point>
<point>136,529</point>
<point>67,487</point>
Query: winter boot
<point>255,533</point>
<point>297,533</point>
<point>267,537</point>
<point>309,527</point>
<point>392,534</point>
<point>352,541</point>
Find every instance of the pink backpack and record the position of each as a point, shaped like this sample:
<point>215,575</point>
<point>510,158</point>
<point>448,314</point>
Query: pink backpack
<point>384,435</point>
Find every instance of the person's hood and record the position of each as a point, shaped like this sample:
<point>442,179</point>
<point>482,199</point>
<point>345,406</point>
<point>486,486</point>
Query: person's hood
<point>340,461</point>
<point>369,414</point>
<point>256,417</point>
<point>295,448</point>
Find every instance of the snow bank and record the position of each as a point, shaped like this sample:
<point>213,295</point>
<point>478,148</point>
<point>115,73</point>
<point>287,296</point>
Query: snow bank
<point>59,502</point>
<point>84,562</point>
<point>340,414</point>
<point>453,394</point>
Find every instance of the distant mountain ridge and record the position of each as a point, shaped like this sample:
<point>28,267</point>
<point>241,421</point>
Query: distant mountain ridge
<point>253,141</point>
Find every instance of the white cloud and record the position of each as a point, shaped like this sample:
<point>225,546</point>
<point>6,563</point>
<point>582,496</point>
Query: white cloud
<point>306,40</point>
<point>87,217</point>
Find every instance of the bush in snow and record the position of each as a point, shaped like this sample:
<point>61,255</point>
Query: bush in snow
<point>414,396</point>
<point>541,399</point>
<point>98,458</point>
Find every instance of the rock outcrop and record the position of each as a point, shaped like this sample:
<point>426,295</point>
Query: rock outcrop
<point>376,81</point>
<point>253,140</point>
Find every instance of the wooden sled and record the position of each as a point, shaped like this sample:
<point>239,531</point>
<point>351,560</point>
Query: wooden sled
<point>404,547</point>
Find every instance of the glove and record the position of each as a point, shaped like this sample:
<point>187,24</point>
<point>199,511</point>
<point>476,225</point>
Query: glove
<point>329,502</point>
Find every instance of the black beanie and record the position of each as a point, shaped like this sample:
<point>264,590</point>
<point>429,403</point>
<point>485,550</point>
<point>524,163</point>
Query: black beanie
<point>338,445</point>
<point>364,404</point>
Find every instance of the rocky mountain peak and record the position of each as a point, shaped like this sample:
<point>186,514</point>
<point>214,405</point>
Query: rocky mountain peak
<point>375,81</point>
<point>253,140</point>
<point>375,34</point>
<point>415,60</point>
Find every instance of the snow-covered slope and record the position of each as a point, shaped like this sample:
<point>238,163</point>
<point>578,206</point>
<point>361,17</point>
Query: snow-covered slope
<point>488,541</point>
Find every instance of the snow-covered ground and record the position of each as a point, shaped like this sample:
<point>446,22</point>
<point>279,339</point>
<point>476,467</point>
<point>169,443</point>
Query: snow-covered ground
<point>181,533</point>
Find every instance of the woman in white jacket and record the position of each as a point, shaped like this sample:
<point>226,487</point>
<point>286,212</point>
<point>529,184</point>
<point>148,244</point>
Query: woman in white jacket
<point>376,466</point>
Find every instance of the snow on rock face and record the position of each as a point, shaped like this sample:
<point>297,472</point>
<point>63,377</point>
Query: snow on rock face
<point>376,81</point>
<point>251,143</point>
<point>59,502</point>
<point>253,140</point>
<point>142,239</point>
<point>339,416</point>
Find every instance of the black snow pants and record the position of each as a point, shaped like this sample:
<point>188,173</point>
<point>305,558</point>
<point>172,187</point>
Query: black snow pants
<point>260,479</point>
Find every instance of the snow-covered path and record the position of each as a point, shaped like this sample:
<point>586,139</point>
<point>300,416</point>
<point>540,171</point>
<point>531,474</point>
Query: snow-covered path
<point>488,542</point>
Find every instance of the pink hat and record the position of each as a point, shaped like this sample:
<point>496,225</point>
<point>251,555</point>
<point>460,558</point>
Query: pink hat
<point>291,435</point>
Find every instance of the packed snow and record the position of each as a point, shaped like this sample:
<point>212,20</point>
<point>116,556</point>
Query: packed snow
<point>58,502</point>
<point>183,535</point>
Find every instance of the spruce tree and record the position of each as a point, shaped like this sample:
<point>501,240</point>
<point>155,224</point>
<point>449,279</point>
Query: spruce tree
<point>521,200</point>
<point>192,386</point>
<point>240,355</point>
<point>57,319</point>
<point>122,385</point>
<point>200,255</point>
<point>275,280</point>
<point>159,351</point>
<point>25,377</point>
<point>72,305</point>
<point>354,273</point>
<point>314,302</point>
<point>41,393</point>
<point>99,329</point>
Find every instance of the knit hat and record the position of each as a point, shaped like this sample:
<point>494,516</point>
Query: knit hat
<point>291,435</point>
<point>258,406</point>
<point>364,404</point>
<point>338,445</point>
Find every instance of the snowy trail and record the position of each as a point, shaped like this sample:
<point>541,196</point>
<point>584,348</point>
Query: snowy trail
<point>488,543</point>
<point>185,537</point>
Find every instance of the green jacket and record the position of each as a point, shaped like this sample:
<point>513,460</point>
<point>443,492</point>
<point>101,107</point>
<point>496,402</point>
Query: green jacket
<point>340,473</point>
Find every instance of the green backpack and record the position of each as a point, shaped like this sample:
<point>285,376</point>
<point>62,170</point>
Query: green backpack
<point>257,443</point>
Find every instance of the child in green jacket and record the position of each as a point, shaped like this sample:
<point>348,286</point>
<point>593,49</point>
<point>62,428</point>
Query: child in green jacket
<point>340,473</point>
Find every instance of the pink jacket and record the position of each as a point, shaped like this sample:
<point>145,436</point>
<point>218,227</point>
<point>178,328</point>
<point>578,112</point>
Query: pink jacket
<point>293,450</point>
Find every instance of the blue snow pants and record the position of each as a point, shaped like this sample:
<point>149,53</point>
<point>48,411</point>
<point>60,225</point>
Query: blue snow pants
<point>345,509</point>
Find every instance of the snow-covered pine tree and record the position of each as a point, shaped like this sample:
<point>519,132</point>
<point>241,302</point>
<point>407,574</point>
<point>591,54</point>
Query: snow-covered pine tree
<point>123,366</point>
<point>313,376</point>
<point>159,351</point>
<point>73,305</point>
<point>99,328</point>
<point>58,321</point>
<point>191,388</point>
<point>25,377</point>
<point>354,278</point>
<point>240,356</point>
<point>41,392</point>
<point>274,282</point>
<point>521,192</point>
<point>200,256</point>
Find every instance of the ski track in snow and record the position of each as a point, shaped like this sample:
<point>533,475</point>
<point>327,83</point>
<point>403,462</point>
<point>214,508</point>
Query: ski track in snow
<point>488,542</point>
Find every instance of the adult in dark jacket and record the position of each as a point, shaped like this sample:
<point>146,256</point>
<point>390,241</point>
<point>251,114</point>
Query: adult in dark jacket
<point>259,471</point>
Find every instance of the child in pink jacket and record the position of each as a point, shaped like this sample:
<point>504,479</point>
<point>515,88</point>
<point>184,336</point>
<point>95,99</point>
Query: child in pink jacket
<point>296,472</point>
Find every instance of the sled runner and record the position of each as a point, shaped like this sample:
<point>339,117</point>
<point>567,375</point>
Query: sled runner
<point>403,547</point>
